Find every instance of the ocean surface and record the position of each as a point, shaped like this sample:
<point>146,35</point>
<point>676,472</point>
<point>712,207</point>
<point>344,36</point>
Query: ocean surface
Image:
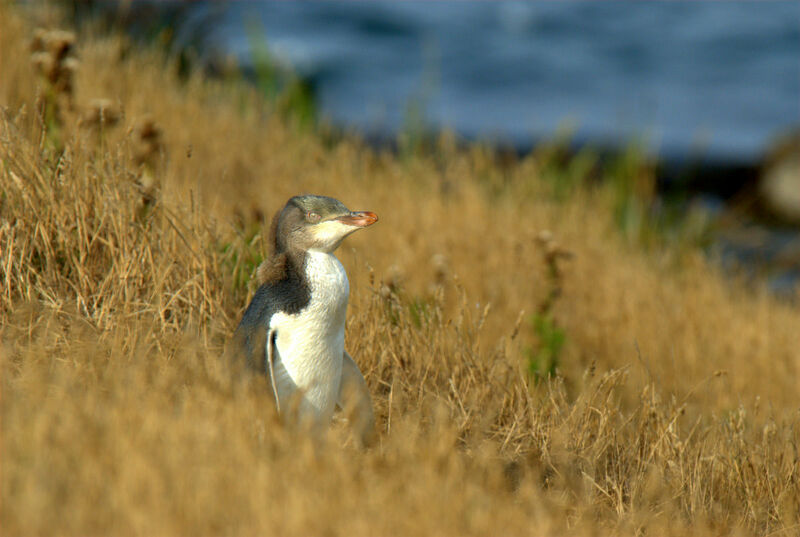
<point>717,79</point>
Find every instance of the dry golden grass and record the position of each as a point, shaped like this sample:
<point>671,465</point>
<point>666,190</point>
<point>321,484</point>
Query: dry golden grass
<point>124,266</point>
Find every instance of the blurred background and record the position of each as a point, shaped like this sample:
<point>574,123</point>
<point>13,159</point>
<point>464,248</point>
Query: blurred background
<point>709,91</point>
<point>717,79</point>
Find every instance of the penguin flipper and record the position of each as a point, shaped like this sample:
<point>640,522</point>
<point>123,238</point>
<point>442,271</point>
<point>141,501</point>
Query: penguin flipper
<point>247,349</point>
<point>354,398</point>
<point>253,344</point>
<point>270,352</point>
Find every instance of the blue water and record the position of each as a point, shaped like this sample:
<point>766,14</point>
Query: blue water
<point>718,79</point>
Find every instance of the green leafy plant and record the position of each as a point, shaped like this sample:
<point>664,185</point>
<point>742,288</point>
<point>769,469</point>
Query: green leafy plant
<point>543,358</point>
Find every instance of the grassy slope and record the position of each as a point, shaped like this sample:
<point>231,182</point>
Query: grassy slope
<point>676,411</point>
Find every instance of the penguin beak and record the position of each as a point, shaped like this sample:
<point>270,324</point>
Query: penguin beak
<point>359,219</point>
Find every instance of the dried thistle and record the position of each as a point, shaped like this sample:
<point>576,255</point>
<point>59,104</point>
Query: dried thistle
<point>441,270</point>
<point>52,55</point>
<point>148,152</point>
<point>394,280</point>
<point>543,360</point>
<point>553,253</point>
<point>148,138</point>
<point>101,114</point>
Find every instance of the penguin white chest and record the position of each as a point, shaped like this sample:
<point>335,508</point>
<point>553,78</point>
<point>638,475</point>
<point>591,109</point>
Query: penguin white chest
<point>310,343</point>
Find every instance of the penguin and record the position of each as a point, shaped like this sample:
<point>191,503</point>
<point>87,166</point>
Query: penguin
<point>293,329</point>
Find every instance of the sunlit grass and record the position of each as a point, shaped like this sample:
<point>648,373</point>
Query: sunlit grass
<point>668,404</point>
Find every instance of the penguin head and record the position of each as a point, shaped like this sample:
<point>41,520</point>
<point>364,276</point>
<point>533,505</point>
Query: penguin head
<point>316,223</point>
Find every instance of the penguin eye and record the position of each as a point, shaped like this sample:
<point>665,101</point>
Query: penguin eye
<point>313,217</point>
